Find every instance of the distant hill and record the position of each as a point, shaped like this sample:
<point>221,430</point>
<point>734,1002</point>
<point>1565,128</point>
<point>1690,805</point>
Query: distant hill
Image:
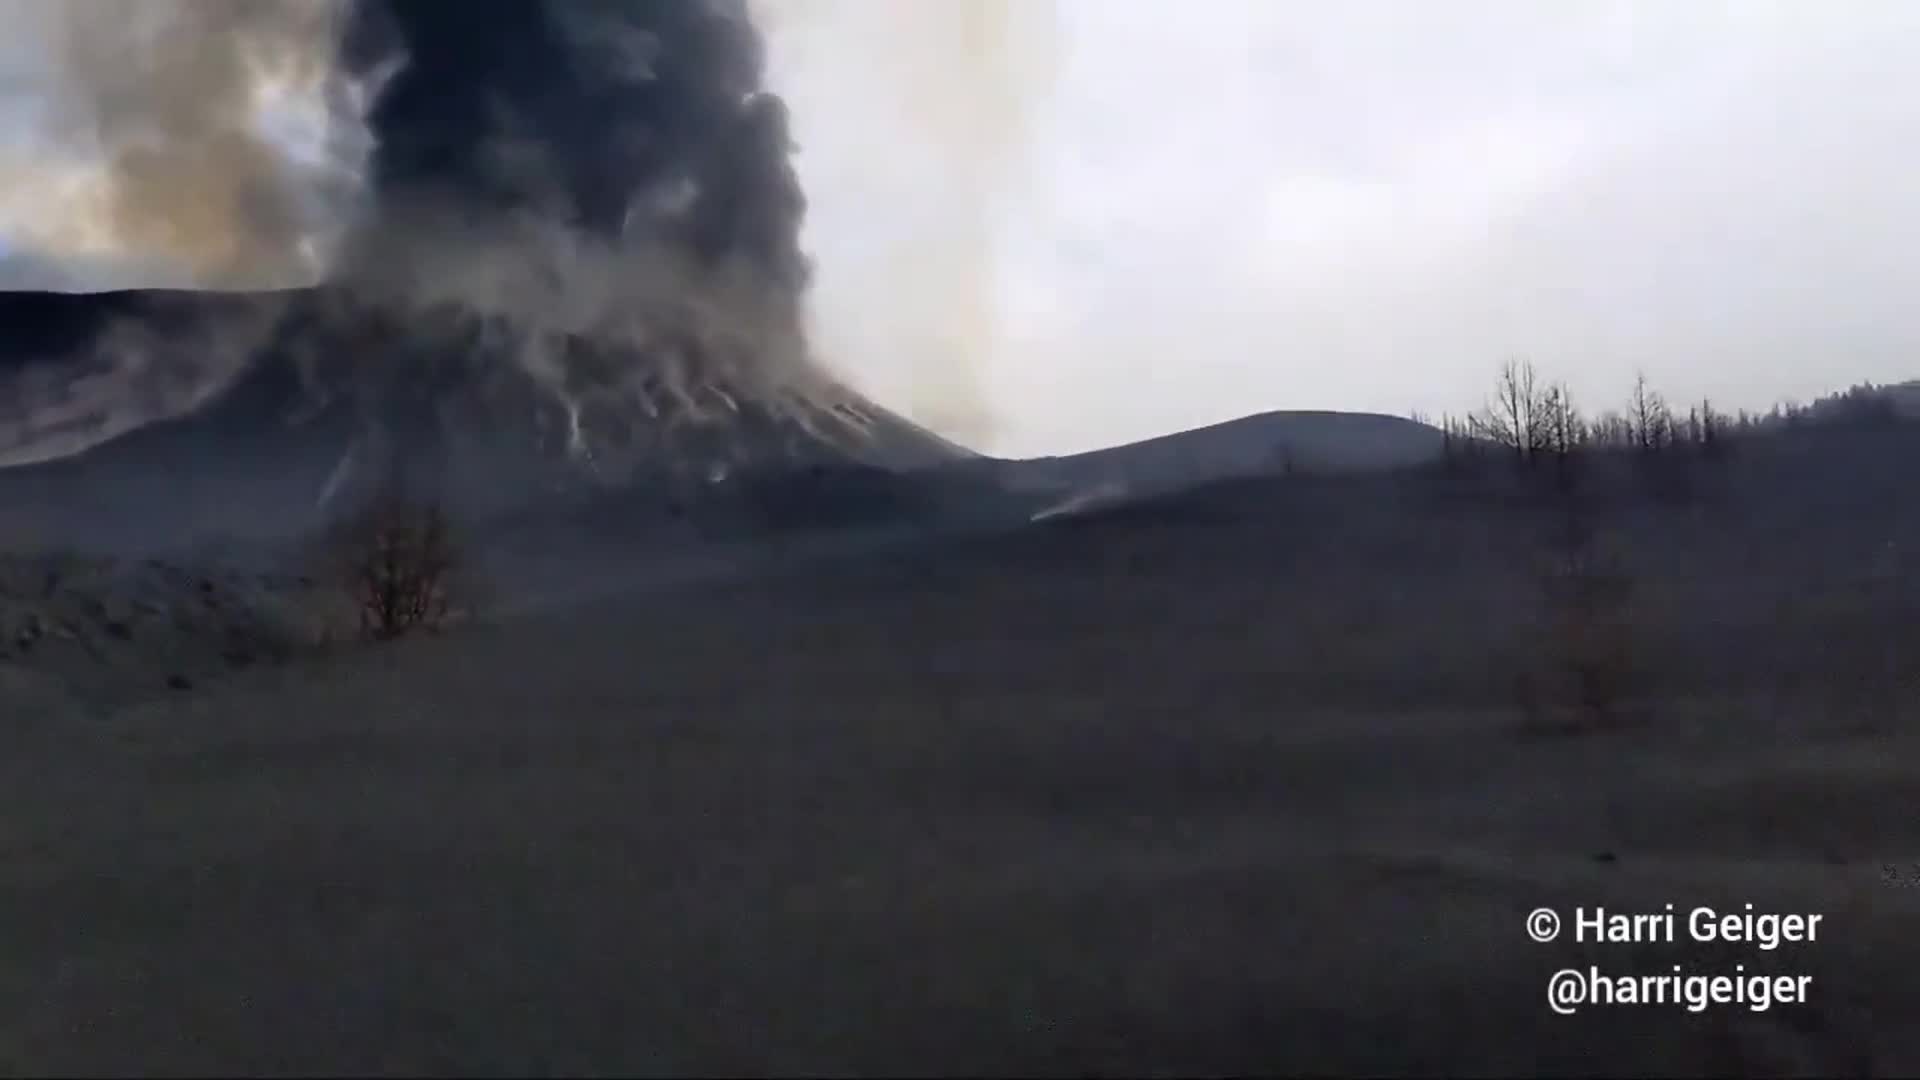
<point>1316,441</point>
<point>1862,402</point>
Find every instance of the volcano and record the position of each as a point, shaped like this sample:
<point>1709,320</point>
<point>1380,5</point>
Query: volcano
<point>327,397</point>
<point>555,258</point>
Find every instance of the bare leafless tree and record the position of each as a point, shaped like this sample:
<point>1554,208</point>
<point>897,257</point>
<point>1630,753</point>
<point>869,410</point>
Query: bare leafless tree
<point>1611,430</point>
<point>1564,430</point>
<point>1713,429</point>
<point>1563,435</point>
<point>1649,418</point>
<point>1516,418</point>
<point>397,559</point>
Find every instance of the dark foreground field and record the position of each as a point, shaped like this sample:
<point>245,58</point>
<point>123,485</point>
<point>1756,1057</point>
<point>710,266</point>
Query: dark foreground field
<point>1118,797</point>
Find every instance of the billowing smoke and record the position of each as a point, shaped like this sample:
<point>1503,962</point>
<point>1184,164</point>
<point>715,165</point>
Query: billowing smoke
<point>119,365</point>
<point>201,137</point>
<point>206,144</point>
<point>600,190</point>
<point>589,171</point>
<point>641,120</point>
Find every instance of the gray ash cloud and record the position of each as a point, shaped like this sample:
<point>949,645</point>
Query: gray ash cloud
<point>595,195</point>
<point>642,119</point>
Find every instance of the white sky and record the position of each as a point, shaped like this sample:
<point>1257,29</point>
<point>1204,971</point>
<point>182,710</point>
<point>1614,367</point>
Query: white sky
<point>1108,219</point>
<point>1226,206</point>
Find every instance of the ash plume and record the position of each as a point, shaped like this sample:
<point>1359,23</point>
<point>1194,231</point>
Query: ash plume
<point>597,192</point>
<point>187,144</point>
<point>201,136</point>
<point>642,120</point>
<point>593,173</point>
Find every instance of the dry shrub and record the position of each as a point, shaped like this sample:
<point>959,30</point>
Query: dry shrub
<point>398,563</point>
<point>1583,666</point>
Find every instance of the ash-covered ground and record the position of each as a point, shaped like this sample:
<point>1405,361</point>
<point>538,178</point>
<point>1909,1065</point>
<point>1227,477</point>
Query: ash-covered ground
<point>1263,778</point>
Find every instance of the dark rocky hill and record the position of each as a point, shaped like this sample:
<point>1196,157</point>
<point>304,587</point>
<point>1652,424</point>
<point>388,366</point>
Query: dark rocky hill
<point>333,397</point>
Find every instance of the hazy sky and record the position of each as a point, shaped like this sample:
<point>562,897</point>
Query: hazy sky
<point>1223,206</point>
<point>1044,225</point>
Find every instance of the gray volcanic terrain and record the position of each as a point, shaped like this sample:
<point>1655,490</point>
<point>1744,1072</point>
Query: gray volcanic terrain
<point>1235,782</point>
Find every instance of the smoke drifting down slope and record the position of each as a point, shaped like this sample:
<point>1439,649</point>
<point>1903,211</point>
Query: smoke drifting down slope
<point>571,209</point>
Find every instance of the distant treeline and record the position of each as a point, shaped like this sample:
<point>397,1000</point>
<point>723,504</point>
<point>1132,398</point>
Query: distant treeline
<point>1534,419</point>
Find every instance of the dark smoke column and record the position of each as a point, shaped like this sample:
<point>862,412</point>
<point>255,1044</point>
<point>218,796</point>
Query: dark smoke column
<point>643,118</point>
<point>578,273</point>
<point>621,165</point>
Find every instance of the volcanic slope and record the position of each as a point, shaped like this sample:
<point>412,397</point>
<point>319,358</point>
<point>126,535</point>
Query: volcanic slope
<point>325,397</point>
